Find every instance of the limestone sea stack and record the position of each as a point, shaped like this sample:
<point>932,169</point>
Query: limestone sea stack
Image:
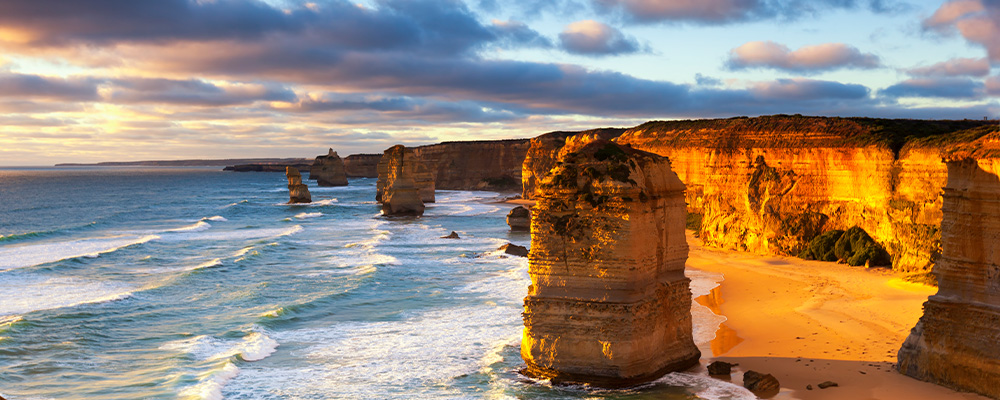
<point>415,169</point>
<point>608,304</point>
<point>397,188</point>
<point>957,341</point>
<point>519,219</point>
<point>297,191</point>
<point>328,170</point>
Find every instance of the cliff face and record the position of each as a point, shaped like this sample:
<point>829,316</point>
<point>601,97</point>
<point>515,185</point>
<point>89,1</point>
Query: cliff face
<point>769,184</point>
<point>544,150</point>
<point>297,191</point>
<point>397,189</point>
<point>609,304</point>
<point>362,165</point>
<point>956,341</point>
<point>476,165</point>
<point>328,170</point>
<point>412,168</point>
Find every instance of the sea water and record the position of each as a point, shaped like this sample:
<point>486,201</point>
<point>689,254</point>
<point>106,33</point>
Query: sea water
<point>195,283</point>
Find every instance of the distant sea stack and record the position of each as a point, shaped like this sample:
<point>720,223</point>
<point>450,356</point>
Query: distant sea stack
<point>362,165</point>
<point>475,165</point>
<point>397,187</point>
<point>297,191</point>
<point>412,167</point>
<point>956,342</point>
<point>608,304</point>
<point>328,170</point>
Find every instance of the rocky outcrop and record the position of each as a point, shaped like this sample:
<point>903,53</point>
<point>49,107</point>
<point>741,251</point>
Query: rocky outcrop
<point>362,165</point>
<point>297,191</point>
<point>519,219</point>
<point>266,167</point>
<point>412,167</point>
<point>956,341</point>
<point>397,188</point>
<point>475,165</point>
<point>771,184</point>
<point>328,170</point>
<point>608,304</point>
<point>544,150</point>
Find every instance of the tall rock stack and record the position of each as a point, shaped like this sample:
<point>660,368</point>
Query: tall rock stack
<point>297,191</point>
<point>396,187</point>
<point>328,170</point>
<point>415,169</point>
<point>609,304</point>
<point>957,341</point>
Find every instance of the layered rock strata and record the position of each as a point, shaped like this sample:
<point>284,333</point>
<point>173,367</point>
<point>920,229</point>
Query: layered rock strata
<point>544,150</point>
<point>297,191</point>
<point>770,184</point>
<point>397,187</point>
<point>328,170</point>
<point>412,167</point>
<point>608,304</point>
<point>475,165</point>
<point>957,341</point>
<point>362,165</point>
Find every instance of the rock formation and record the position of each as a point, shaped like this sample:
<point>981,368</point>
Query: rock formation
<point>362,165</point>
<point>544,150</point>
<point>412,167</point>
<point>475,165</point>
<point>519,219</point>
<point>608,303</point>
<point>956,342</point>
<point>328,170</point>
<point>297,191</point>
<point>396,187</point>
<point>770,184</point>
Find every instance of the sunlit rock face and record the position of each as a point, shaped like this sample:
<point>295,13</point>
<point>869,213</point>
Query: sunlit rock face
<point>328,170</point>
<point>768,185</point>
<point>475,165</point>
<point>544,150</point>
<point>957,341</point>
<point>608,304</point>
<point>411,167</point>
<point>397,188</point>
<point>297,191</point>
<point>362,165</point>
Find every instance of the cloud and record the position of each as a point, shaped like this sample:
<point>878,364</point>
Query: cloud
<point>24,86</point>
<point>993,85</point>
<point>954,67</point>
<point>593,38</point>
<point>728,11</point>
<point>978,21</point>
<point>808,89</point>
<point>807,59</point>
<point>192,92</point>
<point>518,34</point>
<point>953,88</point>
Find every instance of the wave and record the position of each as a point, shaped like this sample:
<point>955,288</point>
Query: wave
<point>235,204</point>
<point>706,387</point>
<point>308,215</point>
<point>29,235</point>
<point>37,254</point>
<point>217,218</point>
<point>33,293</point>
<point>255,346</point>
<point>237,234</point>
<point>197,227</point>
<point>208,264</point>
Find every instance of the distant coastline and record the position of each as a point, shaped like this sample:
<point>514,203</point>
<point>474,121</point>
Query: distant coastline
<point>191,163</point>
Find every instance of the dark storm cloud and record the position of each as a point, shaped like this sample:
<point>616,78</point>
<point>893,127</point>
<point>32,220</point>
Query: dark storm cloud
<point>953,88</point>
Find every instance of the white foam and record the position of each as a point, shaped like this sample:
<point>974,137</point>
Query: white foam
<point>36,254</point>
<point>235,204</point>
<point>22,294</point>
<point>308,215</point>
<point>706,387</point>
<point>238,234</point>
<point>255,346</point>
<point>206,264</point>
<point>211,384</point>
<point>217,218</point>
<point>705,323</point>
<point>702,282</point>
<point>197,227</point>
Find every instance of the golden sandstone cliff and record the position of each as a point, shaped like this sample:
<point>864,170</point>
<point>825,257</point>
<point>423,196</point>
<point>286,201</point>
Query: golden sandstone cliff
<point>609,303</point>
<point>397,186</point>
<point>328,170</point>
<point>770,184</point>
<point>475,165</point>
<point>409,166</point>
<point>545,149</point>
<point>957,341</point>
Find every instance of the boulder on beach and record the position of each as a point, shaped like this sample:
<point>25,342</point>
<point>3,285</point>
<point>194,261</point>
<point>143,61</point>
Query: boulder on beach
<point>760,383</point>
<point>720,368</point>
<point>514,250</point>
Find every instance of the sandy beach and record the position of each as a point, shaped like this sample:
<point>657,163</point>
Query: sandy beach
<point>806,322</point>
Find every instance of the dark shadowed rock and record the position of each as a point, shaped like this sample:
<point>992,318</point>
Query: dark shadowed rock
<point>827,384</point>
<point>720,368</point>
<point>452,235</point>
<point>519,219</point>
<point>514,250</point>
<point>760,383</point>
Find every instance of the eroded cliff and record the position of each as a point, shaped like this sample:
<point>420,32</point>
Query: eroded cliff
<point>362,165</point>
<point>475,165</point>
<point>608,304</point>
<point>956,341</point>
<point>328,170</point>
<point>413,168</point>
<point>544,150</point>
<point>397,187</point>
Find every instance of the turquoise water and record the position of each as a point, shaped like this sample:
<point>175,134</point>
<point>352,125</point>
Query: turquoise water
<point>201,284</point>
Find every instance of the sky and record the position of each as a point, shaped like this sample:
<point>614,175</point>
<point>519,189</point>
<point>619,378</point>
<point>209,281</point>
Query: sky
<point>124,80</point>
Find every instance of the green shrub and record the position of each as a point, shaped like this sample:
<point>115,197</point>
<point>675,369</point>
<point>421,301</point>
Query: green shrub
<point>821,248</point>
<point>855,247</point>
<point>694,221</point>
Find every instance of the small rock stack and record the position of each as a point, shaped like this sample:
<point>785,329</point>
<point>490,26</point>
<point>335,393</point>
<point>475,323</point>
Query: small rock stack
<point>328,170</point>
<point>297,191</point>
<point>396,187</point>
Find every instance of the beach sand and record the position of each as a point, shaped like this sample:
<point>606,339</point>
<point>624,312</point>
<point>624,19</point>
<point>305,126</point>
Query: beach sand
<point>806,322</point>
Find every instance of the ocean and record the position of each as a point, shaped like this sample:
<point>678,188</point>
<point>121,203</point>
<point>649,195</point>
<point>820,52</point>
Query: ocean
<point>193,283</point>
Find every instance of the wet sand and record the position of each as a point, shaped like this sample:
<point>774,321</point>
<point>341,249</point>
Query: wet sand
<point>806,322</point>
